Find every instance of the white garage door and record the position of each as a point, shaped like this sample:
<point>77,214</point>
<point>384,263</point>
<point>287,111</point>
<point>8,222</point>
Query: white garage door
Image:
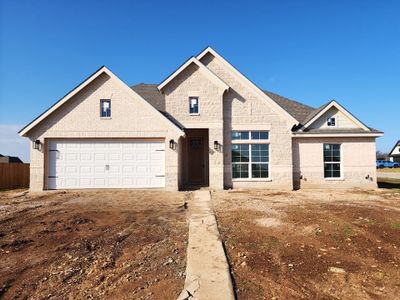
<point>106,164</point>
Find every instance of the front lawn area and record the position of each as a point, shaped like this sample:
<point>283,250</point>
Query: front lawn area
<point>388,170</point>
<point>316,244</point>
<point>110,244</point>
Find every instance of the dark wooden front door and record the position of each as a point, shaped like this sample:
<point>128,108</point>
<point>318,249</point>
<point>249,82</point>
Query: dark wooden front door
<point>196,160</point>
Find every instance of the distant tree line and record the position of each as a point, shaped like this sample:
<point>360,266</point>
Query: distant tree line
<point>382,155</point>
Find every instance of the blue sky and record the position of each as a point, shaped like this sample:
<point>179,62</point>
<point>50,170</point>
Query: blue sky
<point>311,51</point>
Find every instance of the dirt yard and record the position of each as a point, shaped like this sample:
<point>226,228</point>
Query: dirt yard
<point>312,244</point>
<point>92,245</point>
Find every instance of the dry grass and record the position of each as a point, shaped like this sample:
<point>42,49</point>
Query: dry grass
<point>388,170</point>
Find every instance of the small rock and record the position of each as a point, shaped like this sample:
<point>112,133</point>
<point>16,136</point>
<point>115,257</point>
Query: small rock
<point>337,270</point>
<point>169,261</point>
<point>243,264</point>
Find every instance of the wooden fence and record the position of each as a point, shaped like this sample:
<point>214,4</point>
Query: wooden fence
<point>14,175</point>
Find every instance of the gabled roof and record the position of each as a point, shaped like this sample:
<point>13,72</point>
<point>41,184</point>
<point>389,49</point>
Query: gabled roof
<point>247,82</point>
<point>204,69</point>
<point>151,94</point>
<point>338,131</point>
<point>296,109</point>
<point>394,147</point>
<point>315,115</point>
<point>82,85</point>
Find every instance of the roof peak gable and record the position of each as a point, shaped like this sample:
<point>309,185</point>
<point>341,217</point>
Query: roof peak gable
<point>82,85</point>
<point>202,67</point>
<point>247,82</point>
<point>315,115</point>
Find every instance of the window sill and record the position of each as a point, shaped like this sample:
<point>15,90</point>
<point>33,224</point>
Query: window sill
<point>334,179</point>
<point>251,179</point>
<point>105,118</point>
<point>194,114</point>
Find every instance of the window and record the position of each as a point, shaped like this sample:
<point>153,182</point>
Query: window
<point>332,161</point>
<point>331,122</point>
<point>250,160</point>
<point>105,108</point>
<point>194,105</point>
<point>246,135</point>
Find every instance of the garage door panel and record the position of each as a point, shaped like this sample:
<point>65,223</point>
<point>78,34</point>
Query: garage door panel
<point>85,156</point>
<point>142,156</point>
<point>71,170</point>
<point>100,156</point>
<point>106,164</point>
<point>85,182</point>
<point>142,169</point>
<point>114,169</point>
<point>156,169</point>
<point>86,170</point>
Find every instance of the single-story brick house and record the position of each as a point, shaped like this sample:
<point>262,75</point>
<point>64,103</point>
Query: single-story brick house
<point>204,125</point>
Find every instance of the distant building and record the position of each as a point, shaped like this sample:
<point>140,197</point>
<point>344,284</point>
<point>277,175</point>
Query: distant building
<point>10,159</point>
<point>395,153</point>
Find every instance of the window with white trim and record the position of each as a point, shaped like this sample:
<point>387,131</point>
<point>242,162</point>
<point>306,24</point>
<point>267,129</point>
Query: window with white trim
<point>332,161</point>
<point>105,108</point>
<point>250,154</point>
<point>193,105</point>
<point>331,122</point>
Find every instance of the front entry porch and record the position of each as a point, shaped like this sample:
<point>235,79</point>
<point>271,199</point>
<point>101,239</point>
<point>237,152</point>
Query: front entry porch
<point>194,158</point>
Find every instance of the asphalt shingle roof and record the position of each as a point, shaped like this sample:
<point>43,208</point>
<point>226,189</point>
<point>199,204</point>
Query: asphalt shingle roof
<point>151,94</point>
<point>301,112</point>
<point>297,110</point>
<point>338,131</point>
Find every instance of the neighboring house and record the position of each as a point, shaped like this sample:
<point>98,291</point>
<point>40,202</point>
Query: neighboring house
<point>10,159</point>
<point>395,153</point>
<point>204,125</point>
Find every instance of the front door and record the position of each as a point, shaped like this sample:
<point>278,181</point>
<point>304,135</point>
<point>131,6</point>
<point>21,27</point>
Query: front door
<point>196,160</point>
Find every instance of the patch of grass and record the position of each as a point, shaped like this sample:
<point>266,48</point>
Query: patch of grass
<point>335,239</point>
<point>395,225</point>
<point>319,232</point>
<point>271,243</point>
<point>347,231</point>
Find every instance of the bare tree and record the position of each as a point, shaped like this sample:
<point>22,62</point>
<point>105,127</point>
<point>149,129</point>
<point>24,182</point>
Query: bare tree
<point>382,155</point>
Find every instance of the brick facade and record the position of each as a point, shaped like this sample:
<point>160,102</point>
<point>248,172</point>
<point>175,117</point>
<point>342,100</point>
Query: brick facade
<point>295,162</point>
<point>80,118</point>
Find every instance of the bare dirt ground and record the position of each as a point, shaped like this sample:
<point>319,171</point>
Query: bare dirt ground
<point>92,244</point>
<point>312,244</point>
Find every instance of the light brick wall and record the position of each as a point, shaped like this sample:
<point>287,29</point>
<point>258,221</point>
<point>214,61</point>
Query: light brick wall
<point>245,110</point>
<point>80,118</point>
<point>357,156</point>
<point>342,121</point>
<point>193,82</point>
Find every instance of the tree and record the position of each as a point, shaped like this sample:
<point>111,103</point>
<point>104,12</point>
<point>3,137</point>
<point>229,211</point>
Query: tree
<point>382,155</point>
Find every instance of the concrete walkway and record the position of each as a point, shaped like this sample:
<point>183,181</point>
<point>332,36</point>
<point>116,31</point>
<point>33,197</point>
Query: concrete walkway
<point>207,271</point>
